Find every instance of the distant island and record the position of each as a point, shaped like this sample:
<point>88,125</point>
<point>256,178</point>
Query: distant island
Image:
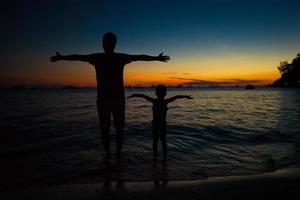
<point>290,73</point>
<point>249,87</point>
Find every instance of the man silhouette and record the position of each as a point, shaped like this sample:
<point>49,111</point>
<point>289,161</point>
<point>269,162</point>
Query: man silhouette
<point>109,67</point>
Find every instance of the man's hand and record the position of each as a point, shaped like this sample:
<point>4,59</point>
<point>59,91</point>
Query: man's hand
<point>56,57</point>
<point>163,58</point>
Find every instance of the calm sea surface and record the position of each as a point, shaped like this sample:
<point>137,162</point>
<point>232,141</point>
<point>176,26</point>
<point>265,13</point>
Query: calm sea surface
<point>53,136</point>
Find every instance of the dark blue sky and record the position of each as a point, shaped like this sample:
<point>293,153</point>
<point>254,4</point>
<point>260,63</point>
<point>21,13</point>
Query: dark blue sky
<point>35,29</point>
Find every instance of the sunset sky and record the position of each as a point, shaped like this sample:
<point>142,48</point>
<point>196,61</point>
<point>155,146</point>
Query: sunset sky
<point>216,42</point>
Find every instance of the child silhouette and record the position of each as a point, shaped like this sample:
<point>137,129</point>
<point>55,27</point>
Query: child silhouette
<point>159,121</point>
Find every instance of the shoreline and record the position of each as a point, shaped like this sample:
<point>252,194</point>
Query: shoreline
<point>281,184</point>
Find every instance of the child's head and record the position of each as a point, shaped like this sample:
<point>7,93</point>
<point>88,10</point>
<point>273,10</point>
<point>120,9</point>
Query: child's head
<point>161,91</point>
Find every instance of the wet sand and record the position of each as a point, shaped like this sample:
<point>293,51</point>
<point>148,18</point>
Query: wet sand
<point>282,184</point>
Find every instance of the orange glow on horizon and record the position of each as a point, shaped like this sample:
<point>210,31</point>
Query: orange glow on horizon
<point>261,70</point>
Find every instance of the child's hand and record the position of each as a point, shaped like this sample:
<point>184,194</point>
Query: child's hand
<point>189,97</point>
<point>56,57</point>
<point>130,96</point>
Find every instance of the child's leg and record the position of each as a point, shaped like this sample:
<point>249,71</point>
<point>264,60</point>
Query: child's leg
<point>163,139</point>
<point>155,139</point>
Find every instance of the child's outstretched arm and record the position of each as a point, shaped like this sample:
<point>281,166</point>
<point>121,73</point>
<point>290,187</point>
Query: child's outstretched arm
<point>178,97</point>
<point>142,96</point>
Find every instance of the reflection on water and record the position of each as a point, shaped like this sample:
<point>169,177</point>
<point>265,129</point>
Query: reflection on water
<point>113,174</point>
<point>54,136</point>
<point>110,175</point>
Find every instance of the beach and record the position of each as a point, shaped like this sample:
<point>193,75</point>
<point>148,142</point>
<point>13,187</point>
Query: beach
<point>282,184</point>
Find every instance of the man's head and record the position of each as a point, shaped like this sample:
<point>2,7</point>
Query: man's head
<point>161,91</point>
<point>109,42</point>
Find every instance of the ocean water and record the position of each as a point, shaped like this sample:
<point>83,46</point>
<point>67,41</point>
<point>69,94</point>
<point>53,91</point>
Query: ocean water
<point>53,137</point>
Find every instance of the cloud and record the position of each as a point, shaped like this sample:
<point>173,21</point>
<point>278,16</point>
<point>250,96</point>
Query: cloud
<point>175,73</point>
<point>245,81</point>
<point>222,82</point>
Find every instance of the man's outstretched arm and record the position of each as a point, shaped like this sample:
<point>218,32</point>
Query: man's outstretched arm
<point>74,57</point>
<point>178,97</point>
<point>142,96</point>
<point>160,57</point>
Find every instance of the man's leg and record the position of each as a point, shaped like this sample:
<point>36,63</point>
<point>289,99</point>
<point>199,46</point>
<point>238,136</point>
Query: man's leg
<point>119,121</point>
<point>104,115</point>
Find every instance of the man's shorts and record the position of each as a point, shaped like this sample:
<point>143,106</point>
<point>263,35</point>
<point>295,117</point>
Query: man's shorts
<point>108,108</point>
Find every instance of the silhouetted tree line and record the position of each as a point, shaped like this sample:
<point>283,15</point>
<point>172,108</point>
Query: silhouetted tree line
<point>290,73</point>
